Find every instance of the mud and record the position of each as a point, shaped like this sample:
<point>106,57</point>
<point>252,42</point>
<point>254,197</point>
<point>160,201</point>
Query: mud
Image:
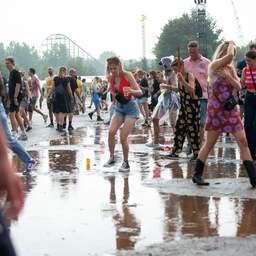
<point>73,208</point>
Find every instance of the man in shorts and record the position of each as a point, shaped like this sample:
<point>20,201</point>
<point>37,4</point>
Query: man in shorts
<point>49,93</point>
<point>14,85</point>
<point>35,93</point>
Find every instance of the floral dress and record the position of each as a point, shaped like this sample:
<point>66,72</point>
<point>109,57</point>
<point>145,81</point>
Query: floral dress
<point>219,119</point>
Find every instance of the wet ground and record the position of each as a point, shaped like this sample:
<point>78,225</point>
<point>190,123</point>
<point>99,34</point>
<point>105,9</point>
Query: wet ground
<point>74,206</point>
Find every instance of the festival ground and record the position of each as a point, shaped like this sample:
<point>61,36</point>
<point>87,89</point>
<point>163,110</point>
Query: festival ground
<point>75,206</point>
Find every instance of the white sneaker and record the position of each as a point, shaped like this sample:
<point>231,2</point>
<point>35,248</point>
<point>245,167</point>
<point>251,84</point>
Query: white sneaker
<point>23,136</point>
<point>153,145</point>
<point>110,162</point>
<point>45,117</point>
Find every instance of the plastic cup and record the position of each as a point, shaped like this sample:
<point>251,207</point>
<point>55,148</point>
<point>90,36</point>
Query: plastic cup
<point>125,91</point>
<point>88,163</point>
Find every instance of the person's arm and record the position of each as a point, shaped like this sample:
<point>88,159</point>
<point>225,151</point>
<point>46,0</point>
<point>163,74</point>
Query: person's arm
<point>233,79</point>
<point>27,89</point>
<point>69,90</point>
<point>17,88</point>
<point>1,86</point>
<point>134,90</point>
<point>225,60</point>
<point>190,85</point>
<point>243,78</point>
<point>9,182</point>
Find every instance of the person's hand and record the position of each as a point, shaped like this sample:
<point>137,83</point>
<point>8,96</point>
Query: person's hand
<point>11,185</point>
<point>180,77</point>
<point>127,91</point>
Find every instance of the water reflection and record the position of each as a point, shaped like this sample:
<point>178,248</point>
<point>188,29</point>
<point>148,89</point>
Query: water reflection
<point>63,168</point>
<point>202,217</point>
<point>127,226</point>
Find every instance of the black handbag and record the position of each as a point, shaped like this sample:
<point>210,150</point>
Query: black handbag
<point>198,89</point>
<point>230,103</point>
<point>121,99</point>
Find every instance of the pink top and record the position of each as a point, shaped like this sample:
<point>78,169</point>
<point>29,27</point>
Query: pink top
<point>199,68</point>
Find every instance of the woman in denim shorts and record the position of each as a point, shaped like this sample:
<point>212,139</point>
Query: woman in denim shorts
<point>124,88</point>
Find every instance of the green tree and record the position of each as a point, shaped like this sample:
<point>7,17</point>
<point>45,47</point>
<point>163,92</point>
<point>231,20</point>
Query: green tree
<point>179,31</point>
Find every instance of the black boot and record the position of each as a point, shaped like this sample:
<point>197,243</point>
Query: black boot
<point>197,177</point>
<point>90,115</point>
<point>251,171</point>
<point>99,119</point>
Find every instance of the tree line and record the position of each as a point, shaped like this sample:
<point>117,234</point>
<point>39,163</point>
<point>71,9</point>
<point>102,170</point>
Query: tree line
<point>177,32</point>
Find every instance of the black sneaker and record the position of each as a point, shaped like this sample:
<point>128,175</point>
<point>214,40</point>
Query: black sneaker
<point>146,124</point>
<point>70,128</point>
<point>125,167</point>
<point>110,162</point>
<point>173,156</point>
<point>90,115</point>
<point>50,126</point>
<point>29,129</point>
<point>64,126</point>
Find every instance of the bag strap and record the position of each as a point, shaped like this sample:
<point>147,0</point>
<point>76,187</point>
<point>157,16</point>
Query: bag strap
<point>254,83</point>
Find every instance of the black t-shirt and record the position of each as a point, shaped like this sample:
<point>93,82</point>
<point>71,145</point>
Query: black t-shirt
<point>73,85</point>
<point>14,78</point>
<point>156,87</point>
<point>240,66</point>
<point>144,83</point>
<point>60,80</point>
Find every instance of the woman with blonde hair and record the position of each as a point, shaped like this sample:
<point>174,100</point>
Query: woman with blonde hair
<point>222,114</point>
<point>124,88</point>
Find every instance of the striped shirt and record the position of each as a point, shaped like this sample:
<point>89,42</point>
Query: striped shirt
<point>248,78</point>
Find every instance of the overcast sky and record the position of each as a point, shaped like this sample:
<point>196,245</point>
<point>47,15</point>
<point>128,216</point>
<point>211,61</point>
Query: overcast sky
<point>98,25</point>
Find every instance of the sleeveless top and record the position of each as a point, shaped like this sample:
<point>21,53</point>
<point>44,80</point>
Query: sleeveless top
<point>248,78</point>
<point>123,83</point>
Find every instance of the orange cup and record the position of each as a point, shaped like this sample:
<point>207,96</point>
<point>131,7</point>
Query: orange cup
<point>125,91</point>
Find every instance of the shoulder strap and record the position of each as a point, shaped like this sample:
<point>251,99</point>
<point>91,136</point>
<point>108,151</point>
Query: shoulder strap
<point>253,79</point>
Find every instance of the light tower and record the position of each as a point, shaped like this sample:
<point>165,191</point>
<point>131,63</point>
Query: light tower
<point>201,25</point>
<point>143,34</point>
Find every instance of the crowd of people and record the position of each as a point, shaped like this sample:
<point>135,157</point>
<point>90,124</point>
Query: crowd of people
<point>199,98</point>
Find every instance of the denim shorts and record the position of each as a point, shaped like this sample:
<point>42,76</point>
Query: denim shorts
<point>142,100</point>
<point>129,110</point>
<point>96,101</point>
<point>203,111</point>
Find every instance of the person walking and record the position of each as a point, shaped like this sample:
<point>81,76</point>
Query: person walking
<point>62,97</point>
<point>198,66</point>
<point>188,120</point>
<point>13,190</point>
<point>222,114</point>
<point>35,94</point>
<point>49,93</point>
<point>124,88</point>
<point>14,85</point>
<point>249,80</point>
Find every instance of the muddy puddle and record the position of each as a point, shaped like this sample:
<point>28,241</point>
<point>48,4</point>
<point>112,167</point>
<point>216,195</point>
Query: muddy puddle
<point>74,206</point>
